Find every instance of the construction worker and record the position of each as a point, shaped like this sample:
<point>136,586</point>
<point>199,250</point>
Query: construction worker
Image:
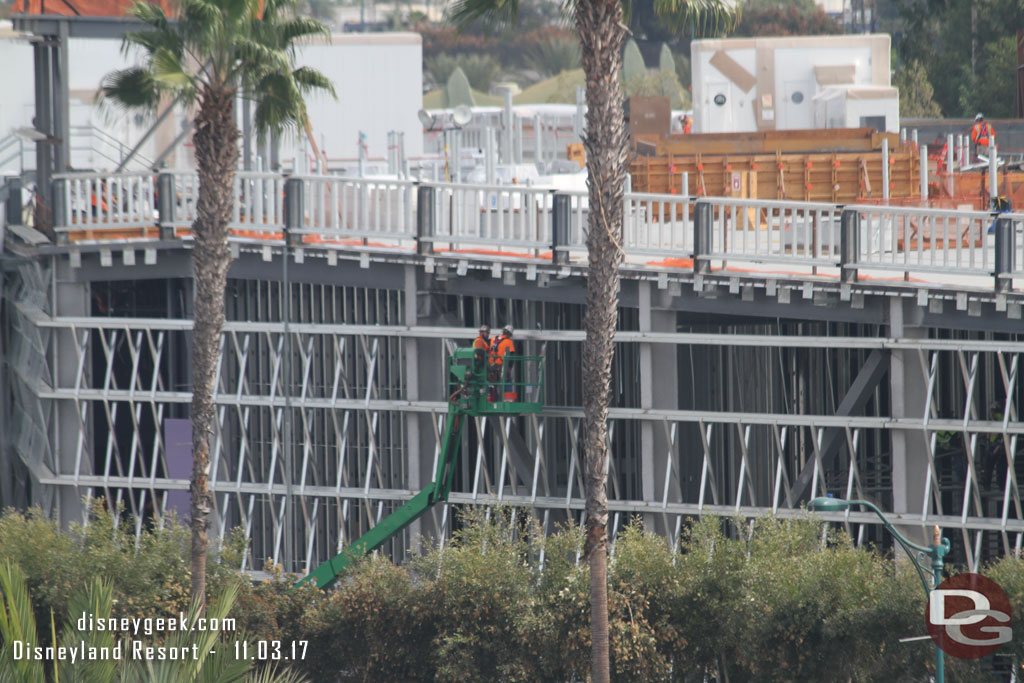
<point>481,349</point>
<point>982,134</point>
<point>502,347</point>
<point>97,203</point>
<point>482,344</point>
<point>687,124</point>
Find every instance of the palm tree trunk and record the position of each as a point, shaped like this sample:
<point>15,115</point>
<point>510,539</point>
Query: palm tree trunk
<point>602,33</point>
<point>216,148</point>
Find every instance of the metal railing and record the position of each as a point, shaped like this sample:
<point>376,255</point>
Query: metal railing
<point>767,231</point>
<point>100,206</point>
<point>492,218</point>
<point>484,221</point>
<point>904,238</point>
<point>16,149</point>
<point>90,144</point>
<point>336,209</point>
<point>657,225</point>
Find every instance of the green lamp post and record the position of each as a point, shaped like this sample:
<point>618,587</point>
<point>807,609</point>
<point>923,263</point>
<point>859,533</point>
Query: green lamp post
<point>919,555</point>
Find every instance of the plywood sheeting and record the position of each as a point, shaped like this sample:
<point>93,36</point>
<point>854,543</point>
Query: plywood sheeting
<point>826,177</point>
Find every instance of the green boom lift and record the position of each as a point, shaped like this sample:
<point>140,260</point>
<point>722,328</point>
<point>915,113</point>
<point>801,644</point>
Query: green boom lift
<point>518,389</point>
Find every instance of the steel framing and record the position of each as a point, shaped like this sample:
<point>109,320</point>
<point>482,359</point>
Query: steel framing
<point>329,411</point>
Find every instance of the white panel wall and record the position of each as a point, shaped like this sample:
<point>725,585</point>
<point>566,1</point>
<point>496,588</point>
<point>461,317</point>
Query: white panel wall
<point>379,81</point>
<point>378,78</point>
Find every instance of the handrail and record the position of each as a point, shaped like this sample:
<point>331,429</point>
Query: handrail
<point>516,221</point>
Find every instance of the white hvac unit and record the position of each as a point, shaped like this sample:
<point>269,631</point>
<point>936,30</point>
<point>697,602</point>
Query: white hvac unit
<point>763,84</point>
<point>875,107</point>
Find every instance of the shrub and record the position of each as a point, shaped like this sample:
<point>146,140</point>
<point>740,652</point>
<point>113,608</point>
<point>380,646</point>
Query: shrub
<point>481,70</point>
<point>554,55</point>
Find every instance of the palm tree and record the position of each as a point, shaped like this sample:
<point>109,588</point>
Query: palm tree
<point>210,53</point>
<point>602,32</point>
<point>214,655</point>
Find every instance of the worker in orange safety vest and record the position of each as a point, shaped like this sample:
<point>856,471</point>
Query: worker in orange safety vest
<point>101,202</point>
<point>687,124</point>
<point>482,347</point>
<point>982,134</point>
<point>502,347</point>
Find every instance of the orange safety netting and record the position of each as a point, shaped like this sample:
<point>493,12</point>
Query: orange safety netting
<point>82,8</point>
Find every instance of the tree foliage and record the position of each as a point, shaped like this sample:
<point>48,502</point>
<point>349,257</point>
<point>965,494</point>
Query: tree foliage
<point>970,56</point>
<point>765,600</point>
<point>208,53</point>
<point>916,92</point>
<point>481,70</point>
<point>211,657</point>
<point>554,55</point>
<point>785,20</point>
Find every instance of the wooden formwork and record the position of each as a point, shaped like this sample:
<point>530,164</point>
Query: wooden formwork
<point>835,177</point>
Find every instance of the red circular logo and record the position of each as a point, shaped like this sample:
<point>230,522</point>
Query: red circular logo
<point>969,616</point>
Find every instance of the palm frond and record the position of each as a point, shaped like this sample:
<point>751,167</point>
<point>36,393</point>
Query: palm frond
<point>703,17</point>
<point>150,14</point>
<point>272,674</point>
<point>235,11</point>
<point>167,70</point>
<point>133,88</point>
<point>493,13</point>
<point>17,622</point>
<point>151,41</point>
<point>303,27</point>
<point>98,601</point>
<point>280,105</point>
<point>309,79</point>
<point>256,55</point>
<point>223,44</point>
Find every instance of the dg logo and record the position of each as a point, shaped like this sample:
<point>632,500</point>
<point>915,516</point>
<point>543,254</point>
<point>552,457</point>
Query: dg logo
<point>969,616</point>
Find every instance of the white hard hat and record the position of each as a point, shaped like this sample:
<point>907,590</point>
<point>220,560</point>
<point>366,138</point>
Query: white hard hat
<point>978,116</point>
<point>507,329</point>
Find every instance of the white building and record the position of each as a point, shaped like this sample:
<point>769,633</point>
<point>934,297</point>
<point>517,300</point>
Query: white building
<point>378,78</point>
<point>758,84</point>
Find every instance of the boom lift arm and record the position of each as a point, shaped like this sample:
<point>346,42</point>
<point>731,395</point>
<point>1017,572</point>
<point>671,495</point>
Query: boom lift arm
<point>470,394</point>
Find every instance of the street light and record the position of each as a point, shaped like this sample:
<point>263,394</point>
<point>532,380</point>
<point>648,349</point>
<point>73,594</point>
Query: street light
<point>460,116</point>
<point>919,555</point>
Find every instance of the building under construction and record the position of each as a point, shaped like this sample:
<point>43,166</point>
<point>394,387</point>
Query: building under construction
<point>769,350</point>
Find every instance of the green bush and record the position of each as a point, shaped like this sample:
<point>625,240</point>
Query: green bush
<point>150,574</point>
<point>760,600</point>
<point>1008,572</point>
<point>373,627</point>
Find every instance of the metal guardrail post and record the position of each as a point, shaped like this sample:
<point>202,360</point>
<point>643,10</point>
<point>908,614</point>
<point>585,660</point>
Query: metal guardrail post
<point>1005,249</point>
<point>60,208</point>
<point>14,208</point>
<point>849,244</point>
<point>560,216</point>
<point>165,204</point>
<point>703,219</point>
<point>294,200</point>
<point>426,197</point>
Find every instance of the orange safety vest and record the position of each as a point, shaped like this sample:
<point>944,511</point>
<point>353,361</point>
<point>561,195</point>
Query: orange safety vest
<point>501,347</point>
<point>687,125</point>
<point>981,133</point>
<point>482,342</point>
